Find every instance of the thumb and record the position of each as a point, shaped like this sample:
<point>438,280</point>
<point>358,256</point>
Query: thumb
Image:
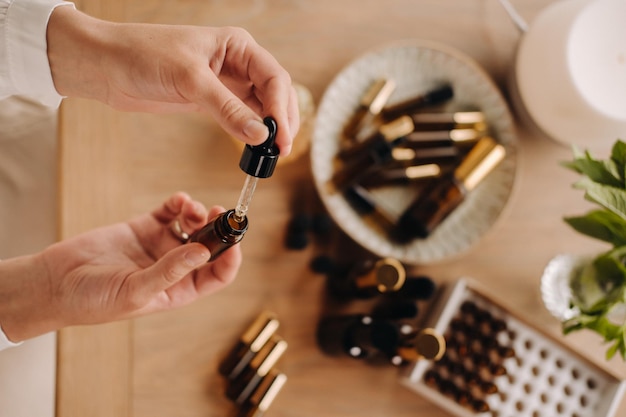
<point>170,269</point>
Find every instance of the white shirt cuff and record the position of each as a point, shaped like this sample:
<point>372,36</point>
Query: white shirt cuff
<point>27,70</point>
<point>5,342</point>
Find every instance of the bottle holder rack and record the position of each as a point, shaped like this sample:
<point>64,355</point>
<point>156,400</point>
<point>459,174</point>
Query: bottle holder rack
<point>509,368</point>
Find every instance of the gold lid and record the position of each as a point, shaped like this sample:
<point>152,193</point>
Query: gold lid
<point>422,171</point>
<point>397,128</point>
<point>269,390</point>
<point>268,356</point>
<point>402,154</point>
<point>479,162</point>
<point>390,274</point>
<point>465,135</point>
<point>260,331</point>
<point>387,275</point>
<point>468,117</point>
<point>428,344</point>
<point>377,95</point>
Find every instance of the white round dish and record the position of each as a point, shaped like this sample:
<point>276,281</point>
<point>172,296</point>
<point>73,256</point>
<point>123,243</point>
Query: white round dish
<point>417,67</point>
<point>570,72</point>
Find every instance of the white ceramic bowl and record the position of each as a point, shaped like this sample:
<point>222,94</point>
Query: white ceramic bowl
<point>417,67</point>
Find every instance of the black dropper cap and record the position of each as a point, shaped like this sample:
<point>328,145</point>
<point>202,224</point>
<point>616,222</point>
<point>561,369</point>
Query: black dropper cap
<point>260,161</point>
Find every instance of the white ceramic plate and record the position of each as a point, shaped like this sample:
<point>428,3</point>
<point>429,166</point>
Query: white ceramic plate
<point>417,67</point>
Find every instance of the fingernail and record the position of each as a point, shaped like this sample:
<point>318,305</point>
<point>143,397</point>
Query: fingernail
<point>255,130</point>
<point>197,258</point>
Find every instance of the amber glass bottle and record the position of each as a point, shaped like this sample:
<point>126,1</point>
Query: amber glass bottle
<point>221,233</point>
<point>369,278</point>
<point>228,228</point>
<point>444,195</point>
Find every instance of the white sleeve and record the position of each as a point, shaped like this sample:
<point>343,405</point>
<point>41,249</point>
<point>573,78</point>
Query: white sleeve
<point>24,67</point>
<point>5,342</point>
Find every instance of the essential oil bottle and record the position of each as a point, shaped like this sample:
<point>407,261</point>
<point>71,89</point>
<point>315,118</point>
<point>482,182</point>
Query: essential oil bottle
<point>221,233</point>
<point>229,227</point>
<point>438,201</point>
<point>369,278</point>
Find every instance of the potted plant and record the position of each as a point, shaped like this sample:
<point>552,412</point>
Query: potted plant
<point>597,284</point>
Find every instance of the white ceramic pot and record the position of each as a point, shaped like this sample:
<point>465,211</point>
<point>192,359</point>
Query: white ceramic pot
<point>570,72</point>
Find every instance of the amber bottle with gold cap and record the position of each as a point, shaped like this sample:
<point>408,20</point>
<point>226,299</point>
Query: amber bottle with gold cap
<point>369,107</point>
<point>444,195</point>
<point>371,155</point>
<point>369,278</point>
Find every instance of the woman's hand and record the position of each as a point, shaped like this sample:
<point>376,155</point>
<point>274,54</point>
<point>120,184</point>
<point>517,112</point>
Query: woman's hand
<point>171,68</point>
<point>113,273</point>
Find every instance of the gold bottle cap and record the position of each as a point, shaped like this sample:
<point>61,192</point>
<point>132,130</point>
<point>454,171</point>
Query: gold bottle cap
<point>265,394</point>
<point>386,275</point>
<point>422,171</point>
<point>268,356</point>
<point>397,128</point>
<point>465,135</point>
<point>402,154</point>
<point>468,117</point>
<point>260,331</point>
<point>390,275</point>
<point>479,162</point>
<point>377,95</point>
<point>428,344</point>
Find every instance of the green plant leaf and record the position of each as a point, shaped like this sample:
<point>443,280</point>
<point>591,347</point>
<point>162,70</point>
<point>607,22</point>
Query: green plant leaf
<point>618,156</point>
<point>598,323</point>
<point>617,171</point>
<point>601,285</point>
<point>597,171</point>
<point>611,198</point>
<point>600,224</point>
<point>619,345</point>
<point>611,351</point>
<point>610,277</point>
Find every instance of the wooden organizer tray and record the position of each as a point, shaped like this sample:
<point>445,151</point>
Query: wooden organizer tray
<point>510,368</point>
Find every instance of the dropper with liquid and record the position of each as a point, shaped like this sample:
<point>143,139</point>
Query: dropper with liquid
<point>245,197</point>
<point>229,227</point>
<point>258,162</point>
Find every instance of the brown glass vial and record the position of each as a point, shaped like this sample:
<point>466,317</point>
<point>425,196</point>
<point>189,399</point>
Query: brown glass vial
<point>366,205</point>
<point>240,389</point>
<point>427,344</point>
<point>249,345</point>
<point>445,194</point>
<point>402,175</point>
<point>221,233</point>
<point>450,121</point>
<point>369,107</point>
<point>264,395</point>
<point>436,96</point>
<point>434,138</point>
<point>367,279</point>
<point>376,153</point>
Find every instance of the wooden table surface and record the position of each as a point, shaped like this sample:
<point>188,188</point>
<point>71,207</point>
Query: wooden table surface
<point>116,165</point>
